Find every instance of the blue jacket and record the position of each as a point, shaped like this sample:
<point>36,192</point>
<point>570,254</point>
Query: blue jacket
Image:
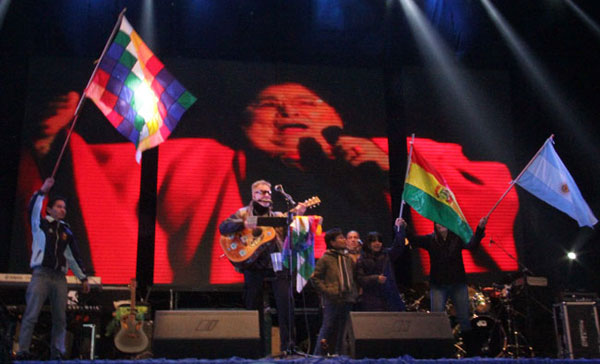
<point>53,243</point>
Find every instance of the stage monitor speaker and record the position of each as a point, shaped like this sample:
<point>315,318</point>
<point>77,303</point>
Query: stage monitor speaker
<point>577,329</point>
<point>206,334</point>
<point>394,334</point>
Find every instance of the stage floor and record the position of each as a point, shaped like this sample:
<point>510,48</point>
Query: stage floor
<point>294,359</point>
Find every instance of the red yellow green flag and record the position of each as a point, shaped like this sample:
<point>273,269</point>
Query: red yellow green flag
<point>426,191</point>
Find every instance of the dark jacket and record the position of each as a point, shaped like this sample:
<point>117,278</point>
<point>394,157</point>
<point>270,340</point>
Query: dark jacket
<point>445,256</point>
<point>53,245</point>
<point>328,274</point>
<point>376,296</point>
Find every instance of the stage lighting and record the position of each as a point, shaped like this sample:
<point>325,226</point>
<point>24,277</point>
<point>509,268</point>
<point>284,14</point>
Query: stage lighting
<point>571,255</point>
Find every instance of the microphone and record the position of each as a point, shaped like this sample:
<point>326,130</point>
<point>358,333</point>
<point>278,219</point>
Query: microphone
<point>360,242</point>
<point>279,188</point>
<point>332,134</point>
<point>332,137</point>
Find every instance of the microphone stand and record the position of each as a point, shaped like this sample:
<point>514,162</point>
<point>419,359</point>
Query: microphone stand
<point>291,304</point>
<point>513,334</point>
<point>290,204</point>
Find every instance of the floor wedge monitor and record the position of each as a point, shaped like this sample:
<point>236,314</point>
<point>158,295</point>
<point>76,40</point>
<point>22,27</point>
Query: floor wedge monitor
<point>206,334</point>
<point>394,334</point>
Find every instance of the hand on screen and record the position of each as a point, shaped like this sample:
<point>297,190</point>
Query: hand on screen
<point>60,112</point>
<point>357,150</point>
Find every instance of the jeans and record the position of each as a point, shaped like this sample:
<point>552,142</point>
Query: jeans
<point>335,318</point>
<point>51,284</point>
<point>459,294</point>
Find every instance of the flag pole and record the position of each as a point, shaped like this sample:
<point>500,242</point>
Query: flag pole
<point>402,203</point>
<point>82,97</point>
<point>512,183</point>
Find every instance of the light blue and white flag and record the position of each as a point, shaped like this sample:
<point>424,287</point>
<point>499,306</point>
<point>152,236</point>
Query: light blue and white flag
<point>548,179</point>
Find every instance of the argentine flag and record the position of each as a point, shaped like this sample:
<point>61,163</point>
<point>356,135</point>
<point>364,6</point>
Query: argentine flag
<point>548,179</point>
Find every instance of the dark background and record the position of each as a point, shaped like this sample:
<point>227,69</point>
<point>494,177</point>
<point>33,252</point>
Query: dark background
<point>373,35</point>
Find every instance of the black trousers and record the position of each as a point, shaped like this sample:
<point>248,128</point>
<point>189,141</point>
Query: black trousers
<point>283,292</point>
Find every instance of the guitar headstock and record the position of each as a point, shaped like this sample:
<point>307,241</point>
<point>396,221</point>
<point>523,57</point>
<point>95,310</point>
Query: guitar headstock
<point>312,202</point>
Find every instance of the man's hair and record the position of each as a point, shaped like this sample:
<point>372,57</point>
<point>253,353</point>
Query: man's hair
<point>260,182</point>
<point>330,236</point>
<point>53,200</point>
<point>353,231</point>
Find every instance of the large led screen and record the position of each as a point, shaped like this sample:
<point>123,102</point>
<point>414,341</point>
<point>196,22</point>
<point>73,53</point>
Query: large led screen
<point>317,131</point>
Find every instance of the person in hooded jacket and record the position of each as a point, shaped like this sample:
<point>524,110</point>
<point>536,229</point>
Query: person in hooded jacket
<point>333,278</point>
<point>375,273</point>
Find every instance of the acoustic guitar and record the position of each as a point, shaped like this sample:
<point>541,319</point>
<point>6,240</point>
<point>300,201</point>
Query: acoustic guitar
<point>131,337</point>
<point>243,247</point>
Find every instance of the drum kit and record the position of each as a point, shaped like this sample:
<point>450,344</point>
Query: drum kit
<point>493,321</point>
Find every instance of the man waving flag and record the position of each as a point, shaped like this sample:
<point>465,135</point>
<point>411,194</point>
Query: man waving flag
<point>426,191</point>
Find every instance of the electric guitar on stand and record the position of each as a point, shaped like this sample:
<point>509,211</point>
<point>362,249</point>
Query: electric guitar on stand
<point>131,337</point>
<point>242,247</point>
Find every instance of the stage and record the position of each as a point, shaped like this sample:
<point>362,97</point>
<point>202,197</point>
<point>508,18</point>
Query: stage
<point>331,360</point>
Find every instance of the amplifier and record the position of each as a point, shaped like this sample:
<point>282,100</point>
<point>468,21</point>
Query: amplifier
<point>577,329</point>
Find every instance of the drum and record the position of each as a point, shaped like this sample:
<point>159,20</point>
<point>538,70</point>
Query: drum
<point>487,337</point>
<point>480,303</point>
<point>492,292</point>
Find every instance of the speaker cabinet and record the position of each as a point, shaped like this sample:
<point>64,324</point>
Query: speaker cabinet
<point>577,329</point>
<point>206,334</point>
<point>393,334</point>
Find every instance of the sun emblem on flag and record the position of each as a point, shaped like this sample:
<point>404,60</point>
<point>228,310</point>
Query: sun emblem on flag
<point>564,188</point>
<point>443,193</point>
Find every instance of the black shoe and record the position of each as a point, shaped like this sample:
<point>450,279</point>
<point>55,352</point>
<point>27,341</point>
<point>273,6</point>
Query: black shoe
<point>57,356</point>
<point>24,355</point>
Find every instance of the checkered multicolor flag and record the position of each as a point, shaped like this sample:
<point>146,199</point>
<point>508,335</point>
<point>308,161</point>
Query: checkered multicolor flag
<point>302,247</point>
<point>136,93</point>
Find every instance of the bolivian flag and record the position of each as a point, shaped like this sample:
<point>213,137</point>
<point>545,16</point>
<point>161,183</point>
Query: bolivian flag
<point>426,191</point>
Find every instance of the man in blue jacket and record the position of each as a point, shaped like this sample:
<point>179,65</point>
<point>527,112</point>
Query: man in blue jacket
<point>53,251</point>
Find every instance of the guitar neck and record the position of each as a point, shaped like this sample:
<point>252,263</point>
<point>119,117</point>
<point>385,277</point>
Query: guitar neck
<point>132,288</point>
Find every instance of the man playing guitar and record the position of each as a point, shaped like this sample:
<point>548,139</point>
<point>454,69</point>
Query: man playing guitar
<point>259,266</point>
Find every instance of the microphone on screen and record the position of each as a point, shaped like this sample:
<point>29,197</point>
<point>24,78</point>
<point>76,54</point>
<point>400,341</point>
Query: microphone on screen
<point>332,134</point>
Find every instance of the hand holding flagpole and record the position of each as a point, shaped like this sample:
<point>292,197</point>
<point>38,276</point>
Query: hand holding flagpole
<point>402,203</point>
